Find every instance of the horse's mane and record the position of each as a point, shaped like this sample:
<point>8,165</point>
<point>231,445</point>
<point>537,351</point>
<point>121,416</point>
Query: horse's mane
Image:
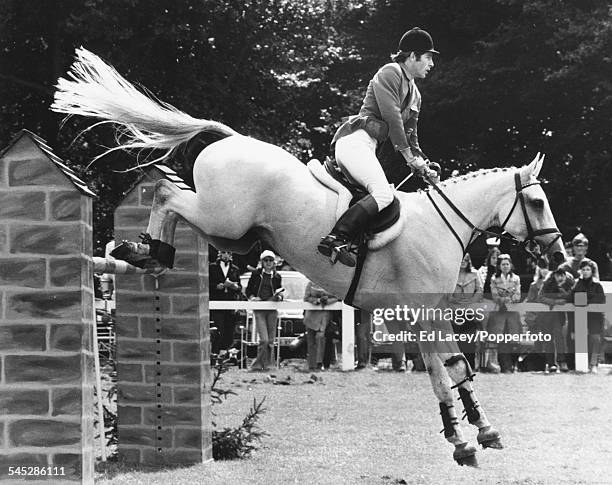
<point>470,175</point>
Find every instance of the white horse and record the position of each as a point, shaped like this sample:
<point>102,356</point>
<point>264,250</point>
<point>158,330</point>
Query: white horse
<point>275,198</point>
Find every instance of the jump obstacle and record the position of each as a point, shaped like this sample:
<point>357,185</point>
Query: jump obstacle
<point>47,328</point>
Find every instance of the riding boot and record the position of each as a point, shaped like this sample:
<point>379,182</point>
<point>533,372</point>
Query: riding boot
<point>346,229</point>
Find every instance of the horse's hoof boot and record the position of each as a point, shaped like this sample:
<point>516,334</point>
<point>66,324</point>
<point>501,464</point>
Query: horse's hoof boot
<point>465,454</point>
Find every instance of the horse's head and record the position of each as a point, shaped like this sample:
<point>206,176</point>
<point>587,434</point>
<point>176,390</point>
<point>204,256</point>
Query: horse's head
<point>529,217</point>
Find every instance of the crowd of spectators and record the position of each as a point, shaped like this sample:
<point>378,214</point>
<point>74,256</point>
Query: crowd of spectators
<point>496,285</point>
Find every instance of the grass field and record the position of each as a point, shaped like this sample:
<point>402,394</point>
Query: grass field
<point>381,428</point>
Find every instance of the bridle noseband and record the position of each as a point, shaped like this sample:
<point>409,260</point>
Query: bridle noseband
<point>476,231</point>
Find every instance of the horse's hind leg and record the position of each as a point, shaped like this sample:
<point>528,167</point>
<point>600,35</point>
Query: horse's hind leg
<point>170,203</point>
<point>460,372</point>
<point>464,454</point>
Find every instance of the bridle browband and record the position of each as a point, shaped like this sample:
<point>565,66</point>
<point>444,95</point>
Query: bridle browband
<point>476,231</point>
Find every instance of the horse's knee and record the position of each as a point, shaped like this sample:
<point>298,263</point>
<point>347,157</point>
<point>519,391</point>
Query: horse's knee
<point>459,369</point>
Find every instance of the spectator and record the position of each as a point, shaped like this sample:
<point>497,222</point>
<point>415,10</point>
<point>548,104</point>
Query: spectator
<point>467,294</point>
<point>265,285</point>
<point>580,246</point>
<point>607,267</point>
<point>505,289</point>
<point>488,269</point>
<point>333,341</point>
<point>534,319</point>
<point>595,294</point>
<point>489,362</point>
<point>316,322</point>
<point>556,290</point>
<point>224,284</point>
<point>362,339</point>
<point>569,249</point>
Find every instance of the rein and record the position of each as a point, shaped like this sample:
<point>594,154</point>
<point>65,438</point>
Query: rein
<point>476,231</point>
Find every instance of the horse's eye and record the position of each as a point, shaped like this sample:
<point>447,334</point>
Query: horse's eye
<point>537,203</point>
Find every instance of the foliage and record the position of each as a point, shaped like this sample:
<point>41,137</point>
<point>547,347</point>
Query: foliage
<point>235,443</point>
<point>514,77</point>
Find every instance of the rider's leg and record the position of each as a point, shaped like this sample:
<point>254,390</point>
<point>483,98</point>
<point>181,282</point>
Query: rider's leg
<point>356,154</point>
<point>347,228</point>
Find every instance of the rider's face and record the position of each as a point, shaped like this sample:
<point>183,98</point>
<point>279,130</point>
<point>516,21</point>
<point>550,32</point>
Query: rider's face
<point>419,66</point>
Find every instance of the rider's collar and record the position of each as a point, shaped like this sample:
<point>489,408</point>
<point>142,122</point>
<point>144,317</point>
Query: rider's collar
<point>405,71</point>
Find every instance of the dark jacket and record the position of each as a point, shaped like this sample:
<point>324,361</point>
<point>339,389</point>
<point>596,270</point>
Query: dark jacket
<point>550,291</point>
<point>595,295</point>
<point>215,276</point>
<point>254,285</point>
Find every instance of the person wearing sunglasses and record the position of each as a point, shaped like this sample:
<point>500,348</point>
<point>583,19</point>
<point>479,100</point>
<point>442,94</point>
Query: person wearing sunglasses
<point>265,284</point>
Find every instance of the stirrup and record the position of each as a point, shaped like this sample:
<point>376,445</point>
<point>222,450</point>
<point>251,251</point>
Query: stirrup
<point>336,249</point>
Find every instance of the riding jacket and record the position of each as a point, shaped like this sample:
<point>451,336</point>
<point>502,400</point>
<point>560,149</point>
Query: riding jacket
<point>390,109</point>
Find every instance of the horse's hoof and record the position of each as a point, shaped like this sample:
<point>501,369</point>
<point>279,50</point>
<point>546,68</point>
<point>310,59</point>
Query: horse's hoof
<point>465,454</point>
<point>122,251</point>
<point>134,254</point>
<point>468,461</point>
<point>489,438</point>
<point>495,444</point>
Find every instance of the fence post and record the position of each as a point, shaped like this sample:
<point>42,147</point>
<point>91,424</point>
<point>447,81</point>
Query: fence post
<point>46,316</point>
<point>581,332</point>
<point>348,337</point>
<point>163,347</point>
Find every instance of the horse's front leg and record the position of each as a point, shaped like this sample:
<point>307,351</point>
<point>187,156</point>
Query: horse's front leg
<point>464,454</point>
<point>460,372</point>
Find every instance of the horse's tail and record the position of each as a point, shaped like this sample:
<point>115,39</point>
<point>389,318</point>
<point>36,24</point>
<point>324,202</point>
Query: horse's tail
<point>97,90</point>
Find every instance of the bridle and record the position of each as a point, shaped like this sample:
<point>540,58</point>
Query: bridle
<point>527,244</point>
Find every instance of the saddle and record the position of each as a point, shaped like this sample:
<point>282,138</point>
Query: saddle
<point>386,218</point>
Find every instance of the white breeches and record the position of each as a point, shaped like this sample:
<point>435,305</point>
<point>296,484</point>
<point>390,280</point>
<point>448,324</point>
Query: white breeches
<point>356,154</point>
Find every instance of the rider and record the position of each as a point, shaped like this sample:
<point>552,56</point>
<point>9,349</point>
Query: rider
<point>390,109</point>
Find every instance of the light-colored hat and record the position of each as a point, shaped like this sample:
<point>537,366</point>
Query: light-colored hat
<point>267,254</point>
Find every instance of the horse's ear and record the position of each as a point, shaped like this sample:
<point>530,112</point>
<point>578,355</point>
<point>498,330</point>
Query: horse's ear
<point>536,165</point>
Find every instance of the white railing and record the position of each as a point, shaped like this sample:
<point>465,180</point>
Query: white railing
<point>580,309</point>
